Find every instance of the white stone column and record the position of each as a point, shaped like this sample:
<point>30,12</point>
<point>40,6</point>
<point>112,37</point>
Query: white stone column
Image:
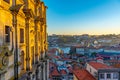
<point>44,71</point>
<point>47,69</point>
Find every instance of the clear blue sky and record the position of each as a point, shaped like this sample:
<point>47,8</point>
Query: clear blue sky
<point>83,16</point>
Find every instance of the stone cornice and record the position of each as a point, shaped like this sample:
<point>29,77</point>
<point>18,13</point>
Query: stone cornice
<point>39,19</point>
<point>16,8</point>
<point>28,13</point>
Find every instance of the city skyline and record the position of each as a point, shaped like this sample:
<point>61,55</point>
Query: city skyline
<point>94,17</point>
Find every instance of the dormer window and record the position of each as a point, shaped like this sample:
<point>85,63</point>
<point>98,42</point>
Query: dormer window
<point>8,1</point>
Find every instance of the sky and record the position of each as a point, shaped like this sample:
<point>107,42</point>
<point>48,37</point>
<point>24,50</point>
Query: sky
<point>76,17</point>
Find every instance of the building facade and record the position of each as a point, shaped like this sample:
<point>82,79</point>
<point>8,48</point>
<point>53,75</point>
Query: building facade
<point>109,74</point>
<point>93,68</point>
<point>23,39</point>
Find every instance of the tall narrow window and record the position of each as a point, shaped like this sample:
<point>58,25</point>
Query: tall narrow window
<point>21,35</point>
<point>108,76</point>
<point>7,34</point>
<point>8,1</point>
<point>102,76</point>
<point>115,75</point>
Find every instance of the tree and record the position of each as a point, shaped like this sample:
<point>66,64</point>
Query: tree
<point>93,54</point>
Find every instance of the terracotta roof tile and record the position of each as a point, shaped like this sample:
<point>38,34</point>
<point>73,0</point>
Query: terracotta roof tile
<point>63,72</point>
<point>55,72</point>
<point>53,51</point>
<point>99,57</point>
<point>83,74</point>
<point>116,65</point>
<point>98,65</point>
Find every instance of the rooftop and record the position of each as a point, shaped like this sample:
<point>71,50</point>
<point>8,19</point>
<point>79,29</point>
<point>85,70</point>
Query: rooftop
<point>63,72</point>
<point>98,65</point>
<point>55,72</point>
<point>83,74</point>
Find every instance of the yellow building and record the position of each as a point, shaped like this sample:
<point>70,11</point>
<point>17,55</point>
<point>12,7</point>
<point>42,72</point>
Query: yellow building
<point>23,38</point>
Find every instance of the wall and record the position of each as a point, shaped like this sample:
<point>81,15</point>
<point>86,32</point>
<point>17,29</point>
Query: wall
<point>90,69</point>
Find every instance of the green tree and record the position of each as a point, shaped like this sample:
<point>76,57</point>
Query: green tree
<point>93,54</point>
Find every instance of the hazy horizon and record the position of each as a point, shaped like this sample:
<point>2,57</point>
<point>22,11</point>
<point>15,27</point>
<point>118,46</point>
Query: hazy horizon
<point>94,17</point>
<point>83,34</point>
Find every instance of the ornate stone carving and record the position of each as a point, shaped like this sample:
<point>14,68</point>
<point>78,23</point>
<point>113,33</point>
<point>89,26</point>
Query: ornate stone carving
<point>4,54</point>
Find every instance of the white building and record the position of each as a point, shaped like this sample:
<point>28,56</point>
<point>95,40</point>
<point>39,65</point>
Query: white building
<point>93,67</point>
<point>109,74</point>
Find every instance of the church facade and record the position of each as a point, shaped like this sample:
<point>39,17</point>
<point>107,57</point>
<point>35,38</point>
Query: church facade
<point>23,39</point>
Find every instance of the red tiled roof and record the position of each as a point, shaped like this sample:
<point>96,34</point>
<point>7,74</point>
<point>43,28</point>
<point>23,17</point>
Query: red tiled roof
<point>53,50</point>
<point>63,72</point>
<point>57,57</point>
<point>117,65</point>
<point>52,64</point>
<point>83,74</point>
<point>55,72</point>
<point>98,65</point>
<point>114,61</point>
<point>99,57</point>
<point>67,59</point>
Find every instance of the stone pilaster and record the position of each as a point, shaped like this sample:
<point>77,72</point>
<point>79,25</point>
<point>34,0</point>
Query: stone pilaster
<point>14,10</point>
<point>27,44</point>
<point>16,46</point>
<point>36,41</point>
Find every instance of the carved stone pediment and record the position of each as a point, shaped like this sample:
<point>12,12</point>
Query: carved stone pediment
<point>15,8</point>
<point>38,18</point>
<point>28,13</point>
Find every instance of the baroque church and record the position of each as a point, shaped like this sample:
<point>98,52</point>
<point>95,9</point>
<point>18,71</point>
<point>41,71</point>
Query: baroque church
<point>23,40</point>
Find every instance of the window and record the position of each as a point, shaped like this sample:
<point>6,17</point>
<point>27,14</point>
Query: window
<point>21,35</point>
<point>115,75</point>
<point>8,1</point>
<point>102,76</point>
<point>108,76</point>
<point>7,34</point>
<point>90,69</point>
